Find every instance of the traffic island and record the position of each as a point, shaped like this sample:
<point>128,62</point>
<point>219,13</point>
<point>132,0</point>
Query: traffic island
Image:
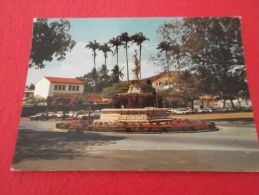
<point>174,126</point>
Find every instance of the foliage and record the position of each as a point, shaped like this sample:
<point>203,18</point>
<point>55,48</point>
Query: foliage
<point>116,74</point>
<point>116,42</point>
<point>115,89</point>
<point>209,47</point>
<point>48,40</point>
<point>35,100</point>
<point>64,99</point>
<point>94,98</point>
<point>105,49</point>
<point>146,88</point>
<point>100,79</point>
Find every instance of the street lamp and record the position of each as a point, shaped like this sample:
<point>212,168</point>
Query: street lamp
<point>156,99</point>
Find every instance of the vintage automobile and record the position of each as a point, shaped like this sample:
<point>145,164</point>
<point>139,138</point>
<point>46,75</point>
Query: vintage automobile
<point>39,116</point>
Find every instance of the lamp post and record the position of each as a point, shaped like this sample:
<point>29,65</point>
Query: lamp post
<point>156,99</point>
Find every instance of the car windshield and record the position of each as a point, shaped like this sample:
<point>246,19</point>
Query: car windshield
<point>38,114</point>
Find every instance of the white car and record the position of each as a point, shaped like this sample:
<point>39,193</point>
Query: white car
<point>59,114</point>
<point>180,112</point>
<point>208,110</point>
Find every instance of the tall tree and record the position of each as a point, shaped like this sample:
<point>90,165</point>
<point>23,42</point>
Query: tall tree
<point>105,49</point>
<point>116,42</point>
<point>165,47</point>
<point>211,47</point>
<point>48,40</point>
<point>215,45</point>
<point>124,37</point>
<point>139,38</point>
<point>93,46</point>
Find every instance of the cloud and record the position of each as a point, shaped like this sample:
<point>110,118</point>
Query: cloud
<point>80,62</point>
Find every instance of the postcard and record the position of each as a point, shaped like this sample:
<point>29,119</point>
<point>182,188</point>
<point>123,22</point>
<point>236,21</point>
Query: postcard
<point>137,94</point>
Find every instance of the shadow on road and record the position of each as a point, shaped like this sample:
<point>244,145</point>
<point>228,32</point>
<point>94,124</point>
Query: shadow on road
<point>34,145</point>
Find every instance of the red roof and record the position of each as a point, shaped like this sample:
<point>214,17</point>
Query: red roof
<point>63,80</point>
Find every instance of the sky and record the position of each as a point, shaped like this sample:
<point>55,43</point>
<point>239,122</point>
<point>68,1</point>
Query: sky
<point>80,60</point>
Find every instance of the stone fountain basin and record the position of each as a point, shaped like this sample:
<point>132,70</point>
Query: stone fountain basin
<point>136,115</point>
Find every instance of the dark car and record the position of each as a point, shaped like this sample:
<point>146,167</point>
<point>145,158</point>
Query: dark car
<point>39,116</point>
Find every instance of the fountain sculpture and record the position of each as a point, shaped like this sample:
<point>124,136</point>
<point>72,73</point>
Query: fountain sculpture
<point>134,112</point>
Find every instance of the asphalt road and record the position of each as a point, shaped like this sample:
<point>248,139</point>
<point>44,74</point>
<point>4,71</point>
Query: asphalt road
<point>233,148</point>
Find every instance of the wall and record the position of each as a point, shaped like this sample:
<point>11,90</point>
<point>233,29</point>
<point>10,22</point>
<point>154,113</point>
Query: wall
<point>42,88</point>
<point>52,90</point>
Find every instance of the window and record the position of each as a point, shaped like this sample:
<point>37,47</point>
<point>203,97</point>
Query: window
<point>59,87</point>
<point>69,88</point>
<point>77,88</point>
<point>74,88</point>
<point>64,87</point>
<point>56,87</point>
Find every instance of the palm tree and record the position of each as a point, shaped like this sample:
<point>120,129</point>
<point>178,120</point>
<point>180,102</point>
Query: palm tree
<point>104,78</point>
<point>124,37</point>
<point>165,46</point>
<point>116,42</point>
<point>139,38</point>
<point>94,46</point>
<point>105,48</point>
<point>94,76</point>
<point>117,74</point>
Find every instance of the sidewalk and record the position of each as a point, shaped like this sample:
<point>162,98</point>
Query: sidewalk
<point>235,115</point>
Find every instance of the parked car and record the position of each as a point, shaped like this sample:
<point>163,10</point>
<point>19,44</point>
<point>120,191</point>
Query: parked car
<point>70,114</point>
<point>208,110</point>
<point>200,111</point>
<point>190,111</point>
<point>180,112</point>
<point>59,114</point>
<point>39,116</point>
<point>51,114</point>
<point>77,113</point>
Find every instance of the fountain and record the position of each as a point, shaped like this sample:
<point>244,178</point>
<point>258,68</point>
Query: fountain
<point>134,113</point>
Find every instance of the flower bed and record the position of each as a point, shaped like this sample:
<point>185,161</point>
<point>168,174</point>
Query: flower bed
<point>177,125</point>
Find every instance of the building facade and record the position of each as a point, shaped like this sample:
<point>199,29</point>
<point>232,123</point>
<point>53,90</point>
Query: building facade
<point>49,86</point>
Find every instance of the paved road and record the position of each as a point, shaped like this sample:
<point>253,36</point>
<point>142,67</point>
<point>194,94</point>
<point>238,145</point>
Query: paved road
<point>233,148</point>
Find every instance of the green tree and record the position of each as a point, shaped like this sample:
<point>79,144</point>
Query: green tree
<point>116,74</point>
<point>139,38</point>
<point>105,49</point>
<point>124,37</point>
<point>93,46</point>
<point>48,40</point>
<point>210,47</point>
<point>104,78</point>
<point>190,90</point>
<point>115,89</point>
<point>116,42</point>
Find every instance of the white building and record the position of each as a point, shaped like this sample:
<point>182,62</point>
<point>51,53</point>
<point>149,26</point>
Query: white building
<point>49,86</point>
